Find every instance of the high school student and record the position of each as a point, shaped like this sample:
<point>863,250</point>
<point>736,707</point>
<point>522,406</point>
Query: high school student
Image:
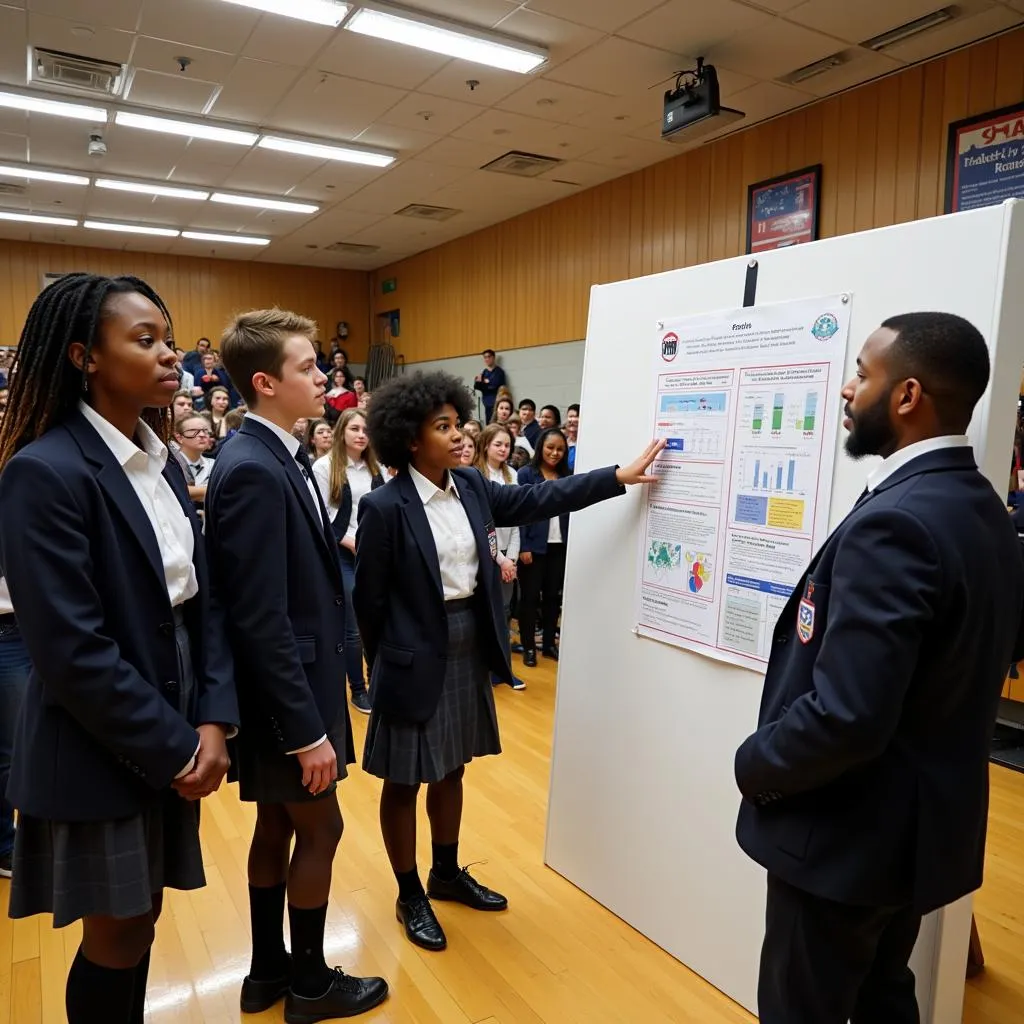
<point>428,599</point>
<point>131,692</point>
<point>275,558</point>
<point>345,476</point>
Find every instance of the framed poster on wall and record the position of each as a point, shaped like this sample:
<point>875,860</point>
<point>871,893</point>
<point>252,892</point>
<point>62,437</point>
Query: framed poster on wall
<point>985,159</point>
<point>783,211</point>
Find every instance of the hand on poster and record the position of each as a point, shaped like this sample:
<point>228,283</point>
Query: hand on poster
<point>636,471</point>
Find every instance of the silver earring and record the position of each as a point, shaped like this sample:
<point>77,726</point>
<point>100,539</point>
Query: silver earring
<point>85,385</point>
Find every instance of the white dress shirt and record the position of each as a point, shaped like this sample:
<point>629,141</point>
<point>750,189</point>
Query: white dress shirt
<point>899,459</point>
<point>6,608</point>
<point>144,468</point>
<point>508,536</point>
<point>201,470</point>
<point>555,530</point>
<point>292,445</point>
<point>453,536</point>
<point>360,480</point>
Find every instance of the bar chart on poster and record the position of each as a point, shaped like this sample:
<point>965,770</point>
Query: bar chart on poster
<point>744,401</point>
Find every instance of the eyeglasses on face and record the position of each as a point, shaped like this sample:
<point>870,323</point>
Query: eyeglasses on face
<point>197,432</point>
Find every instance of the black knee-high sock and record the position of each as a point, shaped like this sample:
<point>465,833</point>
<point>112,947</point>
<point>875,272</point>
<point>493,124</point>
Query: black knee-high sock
<point>266,914</point>
<point>446,860</point>
<point>311,976</point>
<point>139,991</point>
<point>97,993</point>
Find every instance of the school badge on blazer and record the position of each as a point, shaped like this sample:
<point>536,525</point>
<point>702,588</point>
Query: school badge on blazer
<point>805,616</point>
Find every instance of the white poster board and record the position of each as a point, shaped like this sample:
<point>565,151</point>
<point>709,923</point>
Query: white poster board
<point>643,803</point>
<point>747,402</point>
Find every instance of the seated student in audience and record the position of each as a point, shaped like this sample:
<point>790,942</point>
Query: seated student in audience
<point>192,437</point>
<point>232,421</point>
<point>502,410</point>
<point>218,401</point>
<point>300,428</point>
<point>182,404</point>
<point>104,558</point>
<point>359,386</point>
<point>549,417</point>
<point>339,361</point>
<point>193,361</point>
<point>530,428</point>
<point>364,400</point>
<point>319,439</point>
<point>345,476</point>
<point>472,428</point>
<point>470,450</point>
<point>542,554</point>
<point>428,600</point>
<point>495,448</point>
<point>571,429</point>
<point>340,397</point>
<point>275,558</point>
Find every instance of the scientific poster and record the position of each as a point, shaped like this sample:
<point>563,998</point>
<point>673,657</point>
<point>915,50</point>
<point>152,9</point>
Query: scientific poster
<point>748,401</point>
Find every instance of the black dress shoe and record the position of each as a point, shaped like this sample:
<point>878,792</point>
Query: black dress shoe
<point>346,997</point>
<point>464,888</point>
<point>421,926</point>
<point>259,994</point>
<point>530,659</point>
<point>550,652</point>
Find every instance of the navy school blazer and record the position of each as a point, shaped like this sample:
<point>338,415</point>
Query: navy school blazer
<point>534,536</point>
<point>398,596</point>
<point>99,735</point>
<point>866,782</point>
<point>276,565</point>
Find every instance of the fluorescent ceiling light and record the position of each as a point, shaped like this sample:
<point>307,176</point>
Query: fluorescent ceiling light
<point>424,33</point>
<point>35,218</point>
<point>263,204</point>
<point>206,236</point>
<point>320,12</point>
<point>190,129</point>
<point>31,174</point>
<point>151,190</point>
<point>132,229</point>
<point>347,154</point>
<point>910,29</point>
<point>38,105</point>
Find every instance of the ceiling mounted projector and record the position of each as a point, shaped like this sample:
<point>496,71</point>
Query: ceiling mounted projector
<point>694,107</point>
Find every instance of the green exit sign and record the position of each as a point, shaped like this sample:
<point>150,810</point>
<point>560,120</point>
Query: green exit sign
<point>390,285</point>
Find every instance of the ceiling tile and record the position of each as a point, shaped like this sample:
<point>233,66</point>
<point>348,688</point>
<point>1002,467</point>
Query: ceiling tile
<point>622,116</point>
<point>190,170</point>
<point>552,101</point>
<point>514,131</point>
<point>268,172</point>
<point>863,66</point>
<point>581,173</point>
<point>777,6</point>
<point>491,83</point>
<point>619,67</point>
<point>860,21</point>
<point>13,36</point>
<point>631,154</point>
<point>128,207</point>
<point>430,113</point>
<point>13,147</point>
<point>215,26</point>
<point>147,154</point>
<point>102,42</point>
<point>958,32</point>
<point>334,225</point>
<point>171,92</point>
<point>287,41</point>
<point>253,89</point>
<point>1017,5</point>
<point>160,55</point>
<point>405,141</point>
<point>334,107</point>
<point>764,100</point>
<point>463,152</point>
<point>606,15</point>
<point>213,250</point>
<point>562,38</point>
<point>122,14</point>
<point>374,60</point>
<point>409,183</point>
<point>482,13</point>
<point>332,181</point>
<point>775,49</point>
<point>694,26</point>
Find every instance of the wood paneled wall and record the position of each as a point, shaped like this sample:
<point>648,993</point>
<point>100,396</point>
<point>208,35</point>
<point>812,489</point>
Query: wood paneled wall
<point>202,294</point>
<point>527,281</point>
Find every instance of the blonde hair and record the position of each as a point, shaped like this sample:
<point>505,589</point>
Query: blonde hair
<point>339,456</point>
<point>254,343</point>
<point>486,438</point>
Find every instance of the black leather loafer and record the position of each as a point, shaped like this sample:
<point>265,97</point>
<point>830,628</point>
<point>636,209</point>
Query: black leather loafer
<point>347,997</point>
<point>464,888</point>
<point>261,994</point>
<point>421,925</point>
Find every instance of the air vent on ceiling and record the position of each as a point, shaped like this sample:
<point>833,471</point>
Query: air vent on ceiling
<point>11,188</point>
<point>911,28</point>
<point>352,248</point>
<point>525,165</point>
<point>423,212</point>
<point>819,67</point>
<point>73,71</point>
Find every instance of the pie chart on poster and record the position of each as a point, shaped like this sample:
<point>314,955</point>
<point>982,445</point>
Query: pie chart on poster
<point>696,577</point>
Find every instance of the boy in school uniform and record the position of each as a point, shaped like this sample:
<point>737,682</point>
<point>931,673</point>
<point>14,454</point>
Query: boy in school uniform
<point>275,559</point>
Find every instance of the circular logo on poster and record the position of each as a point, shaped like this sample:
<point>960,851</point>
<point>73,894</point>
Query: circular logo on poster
<point>669,346</point>
<point>825,327</point>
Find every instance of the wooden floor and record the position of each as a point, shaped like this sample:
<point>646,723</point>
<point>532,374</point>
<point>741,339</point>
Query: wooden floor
<point>556,957</point>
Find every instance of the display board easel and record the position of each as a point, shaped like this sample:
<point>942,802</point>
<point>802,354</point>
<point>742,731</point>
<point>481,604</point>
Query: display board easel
<point>643,803</point>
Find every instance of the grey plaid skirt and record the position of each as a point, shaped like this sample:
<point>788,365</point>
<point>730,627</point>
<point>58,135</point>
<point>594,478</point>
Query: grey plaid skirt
<point>75,869</point>
<point>464,725</point>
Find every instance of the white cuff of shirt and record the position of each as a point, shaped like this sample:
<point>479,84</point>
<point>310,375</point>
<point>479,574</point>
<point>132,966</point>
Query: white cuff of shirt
<point>191,764</point>
<point>312,746</point>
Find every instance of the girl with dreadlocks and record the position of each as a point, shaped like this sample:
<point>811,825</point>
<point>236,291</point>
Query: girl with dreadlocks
<point>131,694</point>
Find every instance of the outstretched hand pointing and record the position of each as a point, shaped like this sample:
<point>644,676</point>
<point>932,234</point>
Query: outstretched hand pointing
<point>636,471</point>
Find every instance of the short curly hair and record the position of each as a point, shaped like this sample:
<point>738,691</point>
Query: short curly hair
<point>400,406</point>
